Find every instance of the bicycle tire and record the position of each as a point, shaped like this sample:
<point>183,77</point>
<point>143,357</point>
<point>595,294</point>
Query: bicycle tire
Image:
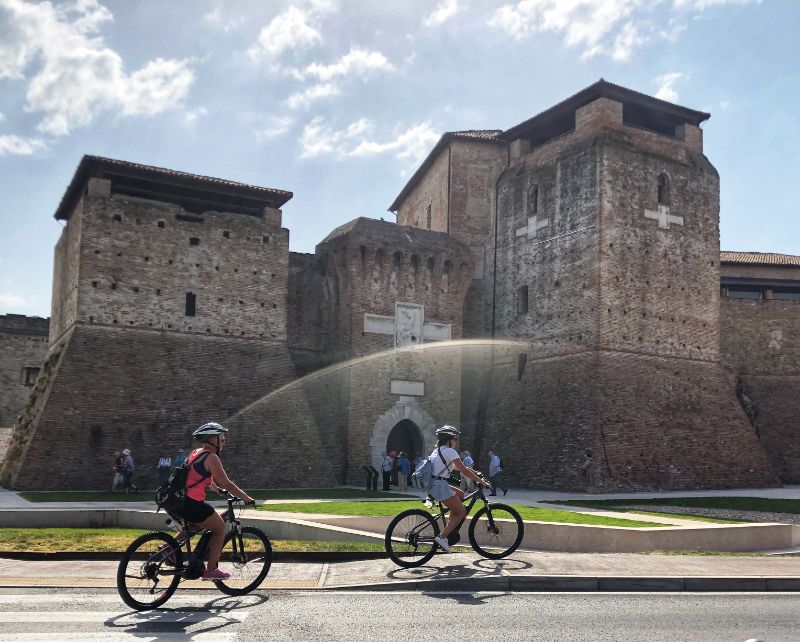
<point>165,551</point>
<point>395,541</point>
<point>262,550</point>
<point>504,511</point>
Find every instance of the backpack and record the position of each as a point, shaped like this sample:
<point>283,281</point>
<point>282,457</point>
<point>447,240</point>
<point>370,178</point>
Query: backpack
<point>424,472</point>
<point>172,495</point>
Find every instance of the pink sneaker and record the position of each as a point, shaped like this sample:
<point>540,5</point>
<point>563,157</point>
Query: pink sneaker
<point>215,574</point>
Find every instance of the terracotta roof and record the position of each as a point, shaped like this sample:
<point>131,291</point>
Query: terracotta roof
<point>760,258</point>
<point>482,135</point>
<point>604,89</point>
<point>108,167</point>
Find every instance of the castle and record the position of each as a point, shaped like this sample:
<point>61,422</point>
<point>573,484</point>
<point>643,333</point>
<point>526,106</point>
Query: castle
<point>554,287</point>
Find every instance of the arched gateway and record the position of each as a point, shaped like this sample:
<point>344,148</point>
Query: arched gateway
<point>406,426</point>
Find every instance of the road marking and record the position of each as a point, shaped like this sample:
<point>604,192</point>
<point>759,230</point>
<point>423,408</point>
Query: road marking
<point>49,598</point>
<point>124,618</point>
<point>151,636</point>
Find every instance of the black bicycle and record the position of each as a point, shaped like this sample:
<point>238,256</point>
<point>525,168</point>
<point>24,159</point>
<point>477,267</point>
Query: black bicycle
<point>155,563</point>
<point>495,531</point>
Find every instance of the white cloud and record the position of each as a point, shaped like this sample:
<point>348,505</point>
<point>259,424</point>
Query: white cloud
<point>315,92</point>
<point>276,126</point>
<point>724,104</point>
<point>11,145</point>
<point>614,28</point>
<point>2,117</point>
<point>445,10</point>
<point>289,30</point>
<point>221,18</point>
<point>319,139</point>
<point>11,301</point>
<point>356,62</point>
<point>666,91</point>
<point>75,75</point>
<point>191,116</point>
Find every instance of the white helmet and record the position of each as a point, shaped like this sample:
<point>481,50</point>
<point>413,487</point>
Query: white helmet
<point>206,431</point>
<point>447,431</point>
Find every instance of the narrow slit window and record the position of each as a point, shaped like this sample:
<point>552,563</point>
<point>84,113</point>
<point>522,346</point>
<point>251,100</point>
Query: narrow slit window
<point>191,301</point>
<point>535,200</point>
<point>663,189</point>
<point>522,300</point>
<point>428,216</point>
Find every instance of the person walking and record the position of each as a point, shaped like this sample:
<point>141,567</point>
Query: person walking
<point>496,473</point>
<point>117,470</point>
<point>444,458</point>
<point>587,471</point>
<point>417,463</point>
<point>180,458</point>
<point>403,471</point>
<point>127,472</point>
<point>386,470</point>
<point>164,465</point>
<point>466,482</point>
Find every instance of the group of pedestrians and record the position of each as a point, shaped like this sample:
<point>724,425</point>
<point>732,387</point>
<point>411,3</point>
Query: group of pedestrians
<point>397,469</point>
<point>124,468</point>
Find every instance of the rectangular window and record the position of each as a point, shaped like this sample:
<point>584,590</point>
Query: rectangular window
<point>29,376</point>
<point>522,300</point>
<point>191,300</point>
<point>194,241</point>
<point>786,295</point>
<point>744,293</point>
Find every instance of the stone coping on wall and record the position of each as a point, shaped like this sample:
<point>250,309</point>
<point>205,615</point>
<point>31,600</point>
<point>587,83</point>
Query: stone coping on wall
<point>539,536</point>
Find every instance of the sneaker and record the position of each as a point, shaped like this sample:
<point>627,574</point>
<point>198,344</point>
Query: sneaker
<point>442,543</point>
<point>214,575</point>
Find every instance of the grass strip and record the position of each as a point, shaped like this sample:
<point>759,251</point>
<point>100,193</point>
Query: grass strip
<point>756,504</point>
<point>695,518</point>
<point>147,495</point>
<point>390,509</point>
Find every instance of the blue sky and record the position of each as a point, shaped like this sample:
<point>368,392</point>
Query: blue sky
<point>339,101</point>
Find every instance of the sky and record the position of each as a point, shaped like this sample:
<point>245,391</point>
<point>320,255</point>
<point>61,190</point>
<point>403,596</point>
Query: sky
<point>339,101</point>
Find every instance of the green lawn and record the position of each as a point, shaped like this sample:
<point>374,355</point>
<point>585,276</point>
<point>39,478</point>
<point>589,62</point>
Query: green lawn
<point>760,504</point>
<point>147,495</point>
<point>49,540</point>
<point>389,509</point>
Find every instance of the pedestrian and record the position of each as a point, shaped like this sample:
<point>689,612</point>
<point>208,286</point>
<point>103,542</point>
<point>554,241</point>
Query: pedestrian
<point>127,472</point>
<point>417,463</point>
<point>386,470</point>
<point>444,458</point>
<point>466,483</point>
<point>403,471</point>
<point>163,467</point>
<point>587,471</point>
<point>496,473</point>
<point>393,478</point>
<point>117,470</point>
<point>180,458</point>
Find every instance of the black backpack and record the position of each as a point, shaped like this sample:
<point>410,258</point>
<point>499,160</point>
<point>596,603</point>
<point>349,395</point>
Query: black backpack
<point>172,495</point>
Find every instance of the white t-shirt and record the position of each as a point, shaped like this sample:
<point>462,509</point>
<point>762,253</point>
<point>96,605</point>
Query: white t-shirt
<point>439,469</point>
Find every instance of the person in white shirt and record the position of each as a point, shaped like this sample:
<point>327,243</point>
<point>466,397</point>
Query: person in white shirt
<point>466,483</point>
<point>444,459</point>
<point>164,465</point>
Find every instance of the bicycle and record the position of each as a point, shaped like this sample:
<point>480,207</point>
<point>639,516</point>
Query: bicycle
<point>495,531</point>
<point>158,557</point>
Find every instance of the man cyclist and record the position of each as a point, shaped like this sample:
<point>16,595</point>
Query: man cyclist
<point>205,469</point>
<point>444,459</point>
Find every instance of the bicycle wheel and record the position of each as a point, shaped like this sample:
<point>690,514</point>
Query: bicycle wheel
<point>148,574</point>
<point>411,533</point>
<point>496,531</point>
<point>248,560</point>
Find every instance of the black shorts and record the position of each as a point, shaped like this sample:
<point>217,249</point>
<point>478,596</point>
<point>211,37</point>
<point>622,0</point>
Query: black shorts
<point>196,512</point>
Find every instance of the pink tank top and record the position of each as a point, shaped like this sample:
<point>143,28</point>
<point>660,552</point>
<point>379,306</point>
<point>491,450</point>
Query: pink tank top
<point>199,478</point>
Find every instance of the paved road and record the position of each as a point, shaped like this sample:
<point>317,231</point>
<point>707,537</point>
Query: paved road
<point>98,614</point>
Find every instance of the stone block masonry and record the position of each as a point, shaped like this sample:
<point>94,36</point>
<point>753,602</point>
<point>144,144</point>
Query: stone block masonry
<point>23,345</point>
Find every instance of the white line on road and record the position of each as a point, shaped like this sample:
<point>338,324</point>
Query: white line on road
<point>323,575</point>
<point>50,598</point>
<point>150,636</point>
<point>120,618</point>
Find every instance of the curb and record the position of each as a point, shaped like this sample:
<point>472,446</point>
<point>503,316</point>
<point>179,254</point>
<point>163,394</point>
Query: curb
<point>577,583</point>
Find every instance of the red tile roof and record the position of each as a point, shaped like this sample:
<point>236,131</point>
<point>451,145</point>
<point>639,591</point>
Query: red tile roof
<point>760,258</point>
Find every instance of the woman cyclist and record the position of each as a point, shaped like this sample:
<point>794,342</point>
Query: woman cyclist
<point>205,469</point>
<point>444,459</point>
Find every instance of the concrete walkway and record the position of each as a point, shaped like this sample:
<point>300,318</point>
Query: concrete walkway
<point>467,571</point>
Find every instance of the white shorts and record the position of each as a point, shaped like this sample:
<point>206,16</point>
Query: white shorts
<point>440,490</point>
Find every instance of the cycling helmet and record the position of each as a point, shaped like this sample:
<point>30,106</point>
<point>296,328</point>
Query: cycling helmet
<point>206,431</point>
<point>447,431</point>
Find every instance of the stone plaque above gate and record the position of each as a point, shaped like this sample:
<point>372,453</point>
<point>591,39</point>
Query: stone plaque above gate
<point>408,388</point>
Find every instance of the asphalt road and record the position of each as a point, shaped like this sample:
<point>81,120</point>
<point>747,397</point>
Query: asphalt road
<point>72,614</point>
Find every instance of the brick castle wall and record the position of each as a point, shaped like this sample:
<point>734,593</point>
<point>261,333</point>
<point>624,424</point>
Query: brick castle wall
<point>23,344</point>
